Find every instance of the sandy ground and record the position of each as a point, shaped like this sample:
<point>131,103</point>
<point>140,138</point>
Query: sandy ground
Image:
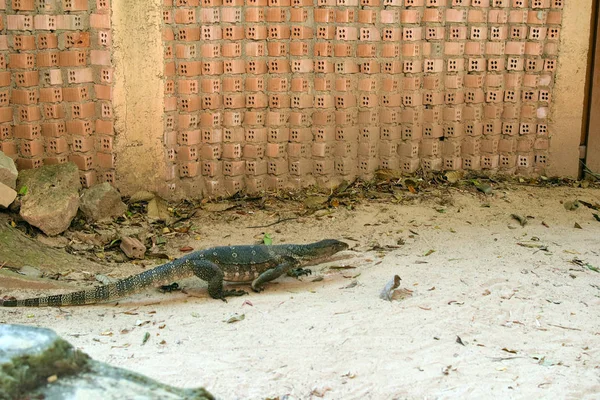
<point>527,317</point>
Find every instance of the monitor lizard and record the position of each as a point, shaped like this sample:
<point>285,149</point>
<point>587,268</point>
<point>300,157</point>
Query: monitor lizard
<point>258,264</point>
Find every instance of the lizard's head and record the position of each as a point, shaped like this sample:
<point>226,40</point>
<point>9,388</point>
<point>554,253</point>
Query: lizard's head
<point>319,251</point>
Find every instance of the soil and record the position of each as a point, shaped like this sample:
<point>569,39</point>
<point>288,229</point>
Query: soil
<point>486,307</point>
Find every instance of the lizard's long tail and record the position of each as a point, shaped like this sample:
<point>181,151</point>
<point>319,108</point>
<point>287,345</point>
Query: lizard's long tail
<point>161,275</point>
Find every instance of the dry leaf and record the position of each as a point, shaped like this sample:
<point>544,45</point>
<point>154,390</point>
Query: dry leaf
<point>235,318</point>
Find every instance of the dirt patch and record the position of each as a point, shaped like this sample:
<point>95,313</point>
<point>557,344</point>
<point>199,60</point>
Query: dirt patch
<point>486,305</point>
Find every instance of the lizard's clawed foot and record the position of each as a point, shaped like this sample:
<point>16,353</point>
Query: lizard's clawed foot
<point>298,272</point>
<point>169,288</point>
<point>258,289</point>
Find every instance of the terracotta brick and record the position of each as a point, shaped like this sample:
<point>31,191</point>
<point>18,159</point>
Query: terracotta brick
<point>51,95</point>
<point>80,75</point>
<point>57,145</point>
<point>104,127</point>
<point>82,143</point>
<point>22,42</point>
<point>83,110</point>
<point>100,57</point>
<point>60,159</point>
<point>29,113</point>
<point>20,22</point>
<point>83,162</point>
<point>10,149</point>
<point>53,111</point>
<point>28,163</point>
<point>25,96</point>
<point>20,61</point>
<point>53,129</point>
<point>105,160</point>
<point>100,21</point>
<point>79,127</point>
<point>103,6</point>
<point>103,92</point>
<point>87,179</point>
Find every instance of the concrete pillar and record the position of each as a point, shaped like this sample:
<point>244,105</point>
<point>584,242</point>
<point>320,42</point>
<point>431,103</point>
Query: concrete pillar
<point>569,91</point>
<point>139,95</point>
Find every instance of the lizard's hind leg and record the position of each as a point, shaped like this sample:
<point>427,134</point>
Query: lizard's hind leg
<point>283,267</point>
<point>211,273</point>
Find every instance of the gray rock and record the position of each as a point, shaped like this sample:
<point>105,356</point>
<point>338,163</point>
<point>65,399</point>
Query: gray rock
<point>36,363</point>
<point>30,271</point>
<point>158,210</point>
<point>28,356</point>
<point>102,202</point>
<point>8,171</point>
<point>52,197</point>
<point>141,195</point>
<point>7,195</point>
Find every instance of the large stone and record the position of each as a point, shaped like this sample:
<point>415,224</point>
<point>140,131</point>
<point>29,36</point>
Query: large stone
<point>7,195</point>
<point>102,202</point>
<point>142,195</point>
<point>52,196</point>
<point>8,171</point>
<point>36,363</point>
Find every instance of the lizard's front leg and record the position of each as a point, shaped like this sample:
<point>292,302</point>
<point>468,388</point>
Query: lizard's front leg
<point>211,273</point>
<point>283,267</point>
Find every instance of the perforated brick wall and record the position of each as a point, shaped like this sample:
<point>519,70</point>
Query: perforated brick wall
<point>275,93</point>
<point>56,85</point>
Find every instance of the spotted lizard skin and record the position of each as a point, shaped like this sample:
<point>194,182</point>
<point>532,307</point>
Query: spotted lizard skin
<point>247,263</point>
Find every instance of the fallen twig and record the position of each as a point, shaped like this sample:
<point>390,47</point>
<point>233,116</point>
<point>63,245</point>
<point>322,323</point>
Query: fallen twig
<point>273,223</point>
<point>565,327</point>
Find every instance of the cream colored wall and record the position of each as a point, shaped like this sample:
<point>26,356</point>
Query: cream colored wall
<point>569,92</point>
<point>139,95</point>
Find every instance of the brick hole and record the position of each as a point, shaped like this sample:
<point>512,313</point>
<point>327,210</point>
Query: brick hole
<point>105,75</point>
<point>505,161</point>
<point>540,159</point>
<point>523,161</point>
<point>508,129</point>
<point>518,32</point>
<point>108,176</point>
<point>106,110</point>
<point>169,123</point>
<point>106,144</point>
<point>171,155</point>
<point>549,65</point>
<point>525,128</point>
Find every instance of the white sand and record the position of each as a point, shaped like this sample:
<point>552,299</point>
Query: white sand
<point>304,339</point>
